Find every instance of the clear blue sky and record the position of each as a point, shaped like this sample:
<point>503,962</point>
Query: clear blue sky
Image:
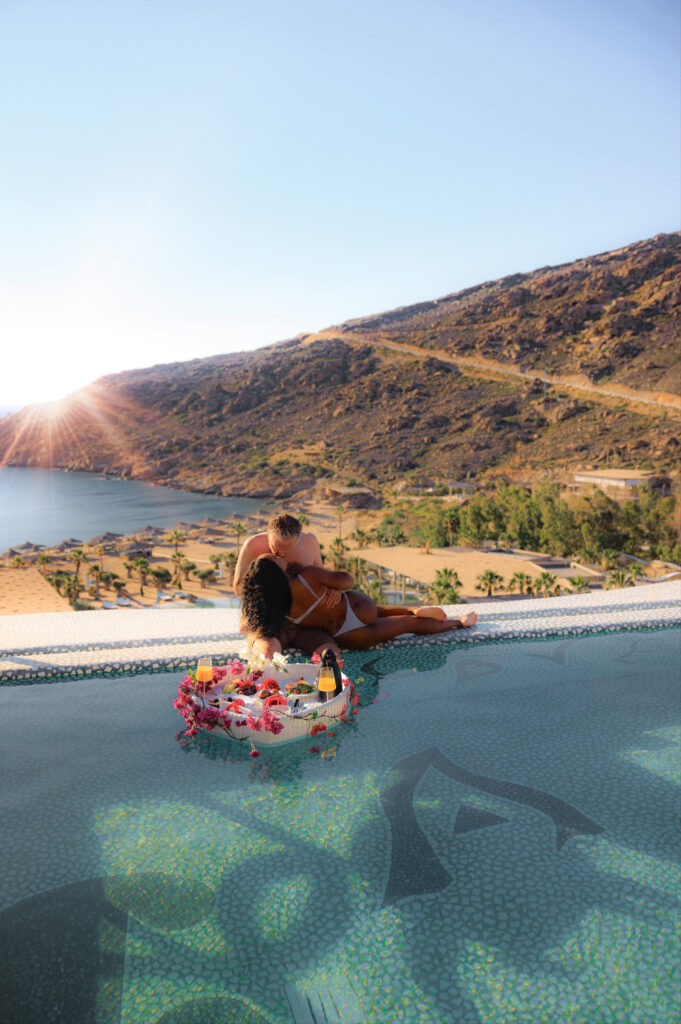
<point>181,179</point>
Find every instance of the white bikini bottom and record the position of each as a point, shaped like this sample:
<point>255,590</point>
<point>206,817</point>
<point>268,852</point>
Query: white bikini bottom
<point>351,620</point>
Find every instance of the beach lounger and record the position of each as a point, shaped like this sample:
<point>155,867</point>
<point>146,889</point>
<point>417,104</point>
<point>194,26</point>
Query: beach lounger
<point>109,604</point>
<point>124,602</point>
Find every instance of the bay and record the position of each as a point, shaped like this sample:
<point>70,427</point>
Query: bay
<point>45,506</point>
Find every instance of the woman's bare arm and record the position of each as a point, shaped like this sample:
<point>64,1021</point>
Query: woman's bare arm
<point>318,577</point>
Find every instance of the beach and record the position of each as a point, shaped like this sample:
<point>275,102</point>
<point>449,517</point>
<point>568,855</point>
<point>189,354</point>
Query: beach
<point>26,590</point>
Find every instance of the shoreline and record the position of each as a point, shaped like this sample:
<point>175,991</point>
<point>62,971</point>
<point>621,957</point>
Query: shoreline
<point>404,569</point>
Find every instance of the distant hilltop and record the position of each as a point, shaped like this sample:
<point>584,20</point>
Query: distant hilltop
<point>533,375</point>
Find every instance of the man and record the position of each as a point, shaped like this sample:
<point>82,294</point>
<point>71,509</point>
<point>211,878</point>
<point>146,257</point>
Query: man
<point>285,539</point>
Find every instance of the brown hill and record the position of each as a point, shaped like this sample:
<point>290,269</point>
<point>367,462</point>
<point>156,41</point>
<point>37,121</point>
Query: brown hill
<point>277,420</point>
<point>613,317</point>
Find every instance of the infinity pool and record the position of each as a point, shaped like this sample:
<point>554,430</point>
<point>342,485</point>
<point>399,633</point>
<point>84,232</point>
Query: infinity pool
<point>493,840</point>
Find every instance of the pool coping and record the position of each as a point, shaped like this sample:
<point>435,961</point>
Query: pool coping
<point>53,647</point>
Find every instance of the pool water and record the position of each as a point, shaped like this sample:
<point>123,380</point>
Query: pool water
<point>494,839</point>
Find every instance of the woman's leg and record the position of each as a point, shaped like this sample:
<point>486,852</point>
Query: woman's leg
<point>420,611</point>
<point>392,626</point>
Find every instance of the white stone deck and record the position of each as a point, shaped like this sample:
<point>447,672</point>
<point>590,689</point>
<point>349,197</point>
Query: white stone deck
<point>39,647</point>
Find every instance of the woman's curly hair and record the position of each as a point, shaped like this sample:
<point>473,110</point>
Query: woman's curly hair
<point>265,597</point>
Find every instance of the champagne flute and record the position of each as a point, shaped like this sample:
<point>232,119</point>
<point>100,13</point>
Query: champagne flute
<point>204,671</point>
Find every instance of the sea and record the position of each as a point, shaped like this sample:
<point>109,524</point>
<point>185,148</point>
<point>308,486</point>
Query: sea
<point>46,506</point>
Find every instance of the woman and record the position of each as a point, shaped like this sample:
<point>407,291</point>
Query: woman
<point>272,603</point>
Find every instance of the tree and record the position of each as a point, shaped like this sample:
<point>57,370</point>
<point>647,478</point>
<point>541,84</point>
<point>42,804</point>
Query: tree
<point>579,584</point>
<point>619,578</point>
<point>99,551</point>
<point>72,587</point>
<point>177,559</point>
<point>129,568</point>
<point>374,588</point>
<point>360,537</point>
<point>188,568</point>
<point>229,560</point>
<point>443,588</point>
<point>206,576</point>
<point>119,585</point>
<point>340,512</point>
<point>18,562</point>
<point>545,583</point>
<point>488,581</point>
<point>216,562</point>
<point>451,523</point>
<point>521,582</point>
<point>161,577</point>
<point>303,519</point>
<point>177,537</point>
<point>240,531</point>
<point>76,556</point>
<point>142,567</point>
<point>96,573</point>
<point>337,552</point>
<point>42,561</point>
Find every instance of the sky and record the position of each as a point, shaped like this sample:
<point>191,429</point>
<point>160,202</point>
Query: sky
<point>185,179</point>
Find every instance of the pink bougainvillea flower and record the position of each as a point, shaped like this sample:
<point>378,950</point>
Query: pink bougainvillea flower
<point>316,660</point>
<point>254,753</point>
<point>253,723</point>
<point>315,750</point>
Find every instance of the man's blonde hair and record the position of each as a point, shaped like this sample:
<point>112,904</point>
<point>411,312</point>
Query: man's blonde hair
<point>285,526</point>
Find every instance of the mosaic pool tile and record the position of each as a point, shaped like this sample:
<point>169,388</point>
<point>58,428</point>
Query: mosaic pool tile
<point>191,881</point>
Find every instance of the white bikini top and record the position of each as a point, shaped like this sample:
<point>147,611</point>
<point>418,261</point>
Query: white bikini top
<point>314,604</point>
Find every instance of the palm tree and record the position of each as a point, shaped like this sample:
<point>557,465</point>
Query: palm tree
<point>177,559</point>
<point>360,537</point>
<point>96,573</point>
<point>130,568</point>
<point>142,567</point>
<point>340,512</point>
<point>77,556</point>
<point>177,537</point>
<point>488,581</point>
<point>546,583</point>
<point>379,534</point>
<point>229,560</point>
<point>216,561</point>
<point>72,587</point>
<point>337,552</point>
<point>443,588</point>
<point>521,582</point>
<point>99,551</point>
<point>240,531</point>
<point>374,588</point>
<point>579,584</point>
<point>619,578</point>
<point>42,561</point>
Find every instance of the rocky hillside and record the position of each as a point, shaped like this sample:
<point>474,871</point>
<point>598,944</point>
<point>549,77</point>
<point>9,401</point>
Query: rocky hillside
<point>278,420</point>
<point>614,317</point>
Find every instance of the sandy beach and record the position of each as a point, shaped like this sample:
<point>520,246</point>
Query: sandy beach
<point>25,589</point>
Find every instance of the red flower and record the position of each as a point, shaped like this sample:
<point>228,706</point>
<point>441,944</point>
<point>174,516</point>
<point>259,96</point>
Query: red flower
<point>315,750</point>
<point>254,753</point>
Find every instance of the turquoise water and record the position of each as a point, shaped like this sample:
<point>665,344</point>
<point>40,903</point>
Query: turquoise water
<point>494,839</point>
<point>46,506</point>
